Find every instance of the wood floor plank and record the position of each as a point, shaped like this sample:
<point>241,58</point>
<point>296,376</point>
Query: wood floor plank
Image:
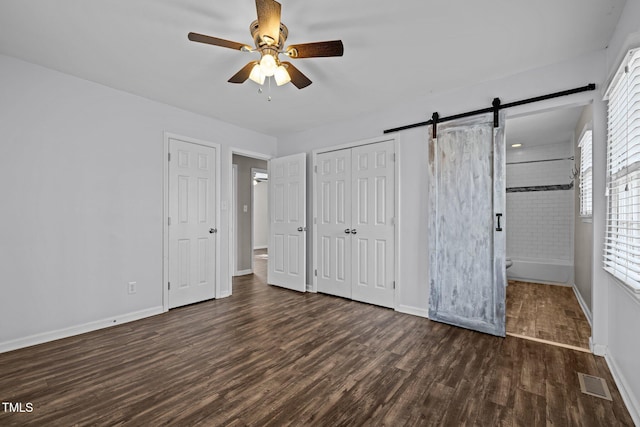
<point>546,312</point>
<point>268,356</point>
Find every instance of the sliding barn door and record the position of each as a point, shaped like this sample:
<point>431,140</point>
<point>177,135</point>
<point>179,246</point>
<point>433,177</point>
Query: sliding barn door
<point>467,237</point>
<point>287,227</point>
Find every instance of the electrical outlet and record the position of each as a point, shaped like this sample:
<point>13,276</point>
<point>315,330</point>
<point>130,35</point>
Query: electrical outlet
<point>131,288</point>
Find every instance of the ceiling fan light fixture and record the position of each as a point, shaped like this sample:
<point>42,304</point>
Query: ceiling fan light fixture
<point>257,75</point>
<point>268,64</point>
<point>281,76</point>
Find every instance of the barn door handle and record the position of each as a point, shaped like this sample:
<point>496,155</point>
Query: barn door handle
<point>347,231</point>
<point>498,216</point>
<point>353,231</point>
<point>213,230</point>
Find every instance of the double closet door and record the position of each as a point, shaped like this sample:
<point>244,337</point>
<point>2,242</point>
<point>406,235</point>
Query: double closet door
<point>355,223</point>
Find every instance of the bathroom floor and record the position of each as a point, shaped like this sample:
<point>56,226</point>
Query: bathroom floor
<point>546,313</point>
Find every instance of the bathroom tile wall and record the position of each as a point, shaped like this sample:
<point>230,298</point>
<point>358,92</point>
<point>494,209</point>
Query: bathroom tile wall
<point>539,224</point>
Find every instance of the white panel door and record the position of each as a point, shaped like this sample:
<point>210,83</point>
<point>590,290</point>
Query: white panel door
<point>355,207</point>
<point>287,228</point>
<point>333,231</point>
<point>372,228</point>
<point>192,229</point>
<point>467,241</point>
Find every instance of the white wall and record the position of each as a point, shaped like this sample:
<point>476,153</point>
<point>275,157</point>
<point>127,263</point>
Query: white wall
<point>412,288</point>
<point>583,234</point>
<point>81,178</point>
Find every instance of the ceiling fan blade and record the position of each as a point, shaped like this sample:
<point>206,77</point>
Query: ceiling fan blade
<point>201,38</point>
<point>298,79</point>
<point>268,20</point>
<point>242,75</point>
<point>316,50</point>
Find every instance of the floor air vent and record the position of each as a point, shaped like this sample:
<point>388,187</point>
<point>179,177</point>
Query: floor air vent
<point>594,386</point>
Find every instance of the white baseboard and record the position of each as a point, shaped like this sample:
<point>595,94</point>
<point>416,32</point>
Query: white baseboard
<point>583,305</point>
<point>632,402</point>
<point>598,349</point>
<point>243,272</point>
<point>416,311</point>
<point>77,330</point>
<point>260,247</point>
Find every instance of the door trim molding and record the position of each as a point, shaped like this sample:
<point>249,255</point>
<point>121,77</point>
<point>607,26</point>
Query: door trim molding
<point>165,212</point>
<point>313,283</point>
<point>233,221</point>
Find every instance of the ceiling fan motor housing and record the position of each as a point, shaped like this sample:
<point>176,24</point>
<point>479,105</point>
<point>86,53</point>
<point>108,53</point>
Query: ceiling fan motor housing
<point>260,43</point>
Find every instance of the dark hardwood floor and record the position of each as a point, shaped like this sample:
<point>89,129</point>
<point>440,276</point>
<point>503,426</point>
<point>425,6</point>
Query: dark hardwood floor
<point>268,356</point>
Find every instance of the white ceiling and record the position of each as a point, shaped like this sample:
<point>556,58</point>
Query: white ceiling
<point>394,50</point>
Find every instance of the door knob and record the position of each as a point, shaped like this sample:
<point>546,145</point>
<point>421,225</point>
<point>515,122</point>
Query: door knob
<point>353,231</point>
<point>213,230</point>
<point>347,231</point>
<point>300,229</point>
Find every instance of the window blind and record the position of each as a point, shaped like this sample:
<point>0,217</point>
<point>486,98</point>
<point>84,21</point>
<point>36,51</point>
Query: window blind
<point>586,182</point>
<point>622,240</point>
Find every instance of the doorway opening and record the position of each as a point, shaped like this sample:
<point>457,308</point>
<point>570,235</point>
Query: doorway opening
<point>548,242</point>
<point>260,220</point>
<point>250,229</point>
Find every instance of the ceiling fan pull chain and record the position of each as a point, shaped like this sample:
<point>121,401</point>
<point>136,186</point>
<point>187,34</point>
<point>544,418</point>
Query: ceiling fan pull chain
<point>269,97</point>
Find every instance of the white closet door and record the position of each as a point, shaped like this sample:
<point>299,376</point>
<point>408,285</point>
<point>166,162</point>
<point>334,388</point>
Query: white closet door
<point>355,223</point>
<point>372,228</point>
<point>467,241</point>
<point>192,233</point>
<point>333,192</point>
<point>287,228</point>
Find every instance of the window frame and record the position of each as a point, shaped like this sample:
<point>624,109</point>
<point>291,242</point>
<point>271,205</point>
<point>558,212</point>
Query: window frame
<point>586,173</point>
<point>621,251</point>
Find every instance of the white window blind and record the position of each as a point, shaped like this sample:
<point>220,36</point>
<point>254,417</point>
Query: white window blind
<point>622,240</point>
<point>586,182</point>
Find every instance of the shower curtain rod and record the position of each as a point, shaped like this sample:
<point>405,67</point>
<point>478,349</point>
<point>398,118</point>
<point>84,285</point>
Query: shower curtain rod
<point>539,161</point>
<point>497,106</point>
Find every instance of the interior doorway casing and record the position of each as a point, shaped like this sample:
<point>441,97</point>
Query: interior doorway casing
<point>233,257</point>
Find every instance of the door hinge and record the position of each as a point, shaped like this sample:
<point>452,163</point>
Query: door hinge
<point>169,221</point>
<point>169,285</point>
<point>394,284</point>
<point>315,220</point>
<point>169,157</point>
<point>315,273</point>
<point>393,157</point>
<point>315,168</point>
